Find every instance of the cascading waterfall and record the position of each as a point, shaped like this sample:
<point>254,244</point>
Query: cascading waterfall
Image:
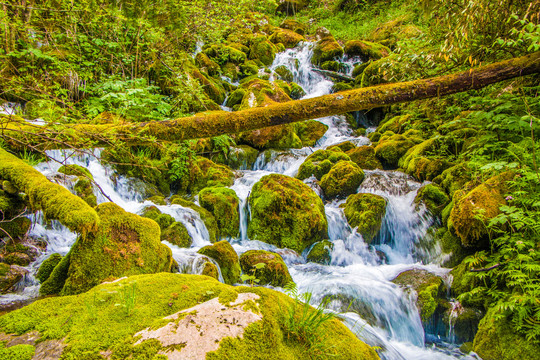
<point>380,312</point>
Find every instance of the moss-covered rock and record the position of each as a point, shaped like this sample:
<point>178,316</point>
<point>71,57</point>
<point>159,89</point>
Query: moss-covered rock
<point>321,252</point>
<point>341,86</point>
<point>10,275</point>
<point>496,340</point>
<point>274,271</point>
<point>454,178</point>
<point>343,146</point>
<point>206,64</point>
<point>473,209</point>
<point>47,267</point>
<point>415,161</point>
<point>451,246</point>
<point>284,73</point>
<point>84,189</point>
<point>294,25</point>
<point>296,91</point>
<point>16,228</point>
<point>223,204</point>
<point>342,180</point>
<point>79,321</point>
<point>226,258</point>
<point>364,156</point>
<point>241,157</point>
<point>203,173</point>
<point>367,50</point>
<point>272,137</point>
<point>262,49</point>
<point>163,220</point>
<point>177,234</point>
<point>433,197</point>
<point>210,269</point>
<point>319,163</point>
<point>327,48</point>
<point>365,211</point>
<point>391,147</point>
<point>76,170</point>
<point>223,54</point>
<point>310,131</point>
<point>428,286</point>
<point>331,66</point>
<point>211,87</point>
<point>206,216</point>
<point>124,244</point>
<point>285,212</point>
<point>357,72</point>
<point>288,38</point>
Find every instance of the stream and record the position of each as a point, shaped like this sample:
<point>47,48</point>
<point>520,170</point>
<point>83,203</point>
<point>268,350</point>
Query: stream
<point>384,314</point>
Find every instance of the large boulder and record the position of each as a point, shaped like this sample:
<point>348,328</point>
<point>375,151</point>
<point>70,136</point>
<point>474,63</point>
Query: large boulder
<point>366,50</point>
<point>274,272</point>
<point>474,208</point>
<point>202,173</point>
<point>343,179</point>
<point>433,198</point>
<point>285,212</point>
<point>321,252</point>
<point>10,275</point>
<point>326,49</point>
<point>365,211</point>
<point>223,204</point>
<point>226,258</point>
<point>124,244</point>
<point>391,147</point>
<point>288,38</point>
<point>320,162</point>
<point>138,318</point>
<point>364,156</point>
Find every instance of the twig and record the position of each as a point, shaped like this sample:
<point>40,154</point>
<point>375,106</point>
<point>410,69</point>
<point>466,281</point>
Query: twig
<point>485,269</point>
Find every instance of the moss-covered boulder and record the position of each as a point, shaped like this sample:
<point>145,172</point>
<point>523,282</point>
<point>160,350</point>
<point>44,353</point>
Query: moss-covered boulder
<point>496,340</point>
<point>341,86</point>
<point>47,266</point>
<point>177,234</point>
<point>429,287</point>
<point>296,91</point>
<point>367,50</point>
<point>223,54</point>
<point>451,246</point>
<point>203,173</point>
<point>262,49</point>
<point>365,211</point>
<point>206,216</point>
<point>310,131</point>
<point>391,147</point>
<point>125,244</point>
<point>223,204</point>
<point>473,209</point>
<point>284,73</point>
<point>321,252</point>
<point>288,38</point>
<point>133,309</point>
<point>454,178</point>
<point>343,179</point>
<point>285,212</point>
<point>433,197</point>
<point>343,146</point>
<point>274,272</point>
<point>206,64</point>
<point>364,156</point>
<point>16,228</point>
<point>211,87</point>
<point>241,157</point>
<point>417,161</point>
<point>223,253</point>
<point>76,170</point>
<point>319,163</point>
<point>84,189</point>
<point>326,49</point>
<point>210,269</point>
<point>294,25</point>
<point>10,275</point>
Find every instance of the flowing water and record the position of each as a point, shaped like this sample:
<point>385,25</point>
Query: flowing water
<point>358,279</point>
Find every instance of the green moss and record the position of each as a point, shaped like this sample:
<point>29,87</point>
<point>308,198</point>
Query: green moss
<point>451,245</point>
<point>319,163</point>
<point>17,352</point>
<point>343,179</point>
<point>320,252</point>
<point>454,178</point>
<point>285,212</point>
<point>429,288</point>
<point>284,73</point>
<point>240,157</point>
<point>224,54</point>
<point>56,280</point>
<point>211,270</point>
<point>288,38</point>
<point>274,272</point>
<point>391,147</point>
<point>163,220</point>
<point>367,50</point>
<point>84,189</point>
<point>464,281</point>
<point>235,97</point>
<point>272,137</point>
<point>203,173</point>
<point>125,244</point>
<point>310,131</point>
<point>80,321</point>
<point>433,197</point>
<point>177,234</point>
<point>296,91</point>
<point>495,340</point>
<point>344,146</point>
<point>206,64</point>
<point>294,25</point>
<point>262,49</point>
<point>248,68</point>
<point>364,156</point>
<point>55,200</point>
<point>157,199</point>
<point>473,209</point>
<point>206,216</point>
<point>227,259</point>
<point>16,228</point>
<point>326,49</point>
<point>76,170</point>
<point>341,86</point>
<point>396,124</point>
<point>365,211</point>
<point>47,267</point>
<point>357,72</point>
<point>223,204</point>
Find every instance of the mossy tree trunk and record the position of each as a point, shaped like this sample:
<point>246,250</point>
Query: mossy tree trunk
<point>221,122</point>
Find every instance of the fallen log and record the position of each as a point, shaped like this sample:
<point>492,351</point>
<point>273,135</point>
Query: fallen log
<point>221,122</point>
<point>335,75</point>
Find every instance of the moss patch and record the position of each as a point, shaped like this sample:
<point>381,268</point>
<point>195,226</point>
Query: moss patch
<point>343,179</point>
<point>367,50</point>
<point>365,211</point>
<point>227,259</point>
<point>285,212</point>
<point>433,197</point>
<point>320,162</point>
<point>274,272</point>
<point>364,156</point>
<point>320,252</point>
<point>223,204</point>
<point>47,267</point>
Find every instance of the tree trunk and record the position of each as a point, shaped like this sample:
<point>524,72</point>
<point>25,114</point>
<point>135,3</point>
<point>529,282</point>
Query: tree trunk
<point>221,122</point>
